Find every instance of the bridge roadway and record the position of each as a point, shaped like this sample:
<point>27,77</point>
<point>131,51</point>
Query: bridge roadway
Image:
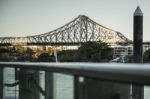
<point>69,43</point>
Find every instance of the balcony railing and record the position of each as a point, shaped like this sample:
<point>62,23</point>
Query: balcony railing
<point>137,74</point>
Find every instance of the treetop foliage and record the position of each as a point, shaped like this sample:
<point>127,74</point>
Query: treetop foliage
<point>94,52</point>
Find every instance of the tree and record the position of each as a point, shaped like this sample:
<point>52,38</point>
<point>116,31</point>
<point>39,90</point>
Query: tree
<point>66,55</point>
<point>94,52</point>
<point>5,54</point>
<point>147,56</point>
<point>129,59</point>
<point>45,57</point>
<point>29,53</point>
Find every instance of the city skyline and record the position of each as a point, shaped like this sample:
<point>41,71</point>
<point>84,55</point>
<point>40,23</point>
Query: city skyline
<point>34,17</point>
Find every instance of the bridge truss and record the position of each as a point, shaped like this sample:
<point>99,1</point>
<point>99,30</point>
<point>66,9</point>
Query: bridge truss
<point>79,30</point>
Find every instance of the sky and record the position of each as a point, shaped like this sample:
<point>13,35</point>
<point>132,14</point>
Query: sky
<point>33,17</point>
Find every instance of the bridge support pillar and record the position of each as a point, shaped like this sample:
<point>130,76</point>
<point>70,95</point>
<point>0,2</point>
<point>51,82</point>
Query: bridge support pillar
<point>1,83</point>
<point>138,90</point>
<point>28,79</point>
<point>48,85</point>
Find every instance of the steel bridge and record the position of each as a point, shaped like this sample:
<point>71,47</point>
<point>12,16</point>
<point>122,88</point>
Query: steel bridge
<point>77,31</point>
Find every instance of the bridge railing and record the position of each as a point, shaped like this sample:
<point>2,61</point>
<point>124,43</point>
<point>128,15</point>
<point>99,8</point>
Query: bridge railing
<point>86,77</point>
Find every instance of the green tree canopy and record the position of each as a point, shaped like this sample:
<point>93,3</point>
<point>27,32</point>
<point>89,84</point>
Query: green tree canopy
<point>66,55</point>
<point>45,57</point>
<point>94,52</point>
<point>147,56</point>
<point>5,54</point>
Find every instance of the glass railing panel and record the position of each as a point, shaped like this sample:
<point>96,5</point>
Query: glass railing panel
<point>42,83</point>
<point>146,92</point>
<point>49,85</point>
<point>63,86</point>
<point>89,88</point>
<point>11,87</point>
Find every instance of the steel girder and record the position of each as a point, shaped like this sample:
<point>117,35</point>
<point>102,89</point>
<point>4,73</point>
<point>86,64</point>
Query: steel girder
<point>79,30</point>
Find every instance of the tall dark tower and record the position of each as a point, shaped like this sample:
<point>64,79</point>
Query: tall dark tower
<point>138,36</point>
<point>138,90</point>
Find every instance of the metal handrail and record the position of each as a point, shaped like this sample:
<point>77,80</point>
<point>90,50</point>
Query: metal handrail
<point>126,73</point>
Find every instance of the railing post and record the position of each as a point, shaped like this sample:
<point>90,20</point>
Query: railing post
<point>27,86</point>
<point>78,88</point>
<point>1,83</point>
<point>138,90</point>
<point>76,96</point>
<point>48,85</point>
